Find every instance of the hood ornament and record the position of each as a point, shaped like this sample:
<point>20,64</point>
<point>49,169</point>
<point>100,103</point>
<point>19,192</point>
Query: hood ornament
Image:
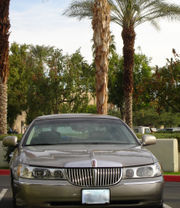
<point>94,163</point>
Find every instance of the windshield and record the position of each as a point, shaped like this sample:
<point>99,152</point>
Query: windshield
<point>78,131</point>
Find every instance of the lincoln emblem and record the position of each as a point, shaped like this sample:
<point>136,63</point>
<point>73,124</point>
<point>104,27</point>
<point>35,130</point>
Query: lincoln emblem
<point>94,163</point>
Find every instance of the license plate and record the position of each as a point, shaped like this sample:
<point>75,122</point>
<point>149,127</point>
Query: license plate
<point>95,196</point>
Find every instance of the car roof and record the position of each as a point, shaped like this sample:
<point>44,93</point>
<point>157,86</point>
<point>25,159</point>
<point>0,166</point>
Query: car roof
<point>75,115</point>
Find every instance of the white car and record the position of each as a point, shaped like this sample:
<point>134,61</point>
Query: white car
<point>142,130</point>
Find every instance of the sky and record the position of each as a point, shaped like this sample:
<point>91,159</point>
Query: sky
<point>40,22</point>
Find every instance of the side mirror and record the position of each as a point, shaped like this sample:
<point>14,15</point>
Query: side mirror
<point>148,140</point>
<point>10,141</point>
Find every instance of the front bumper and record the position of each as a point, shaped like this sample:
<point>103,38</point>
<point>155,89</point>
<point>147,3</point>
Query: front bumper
<point>127,193</point>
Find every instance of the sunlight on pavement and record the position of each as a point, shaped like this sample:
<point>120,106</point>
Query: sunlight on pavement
<point>166,206</point>
<point>2,193</point>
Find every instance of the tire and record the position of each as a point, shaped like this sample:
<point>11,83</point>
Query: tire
<point>14,195</point>
<point>159,206</point>
<point>14,198</point>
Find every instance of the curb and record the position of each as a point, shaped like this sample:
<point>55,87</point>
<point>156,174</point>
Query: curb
<point>167,178</point>
<point>172,178</point>
<point>4,172</point>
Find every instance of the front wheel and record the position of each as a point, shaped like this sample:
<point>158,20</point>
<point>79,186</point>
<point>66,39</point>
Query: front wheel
<point>14,202</point>
<point>14,198</point>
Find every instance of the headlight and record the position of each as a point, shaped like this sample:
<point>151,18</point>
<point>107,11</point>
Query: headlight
<point>25,171</point>
<point>148,171</point>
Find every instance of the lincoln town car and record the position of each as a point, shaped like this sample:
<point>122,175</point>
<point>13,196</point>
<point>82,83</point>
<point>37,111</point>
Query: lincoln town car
<point>84,160</point>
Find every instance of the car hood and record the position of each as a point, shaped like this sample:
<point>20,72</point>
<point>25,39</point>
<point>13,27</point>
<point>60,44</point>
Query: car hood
<point>86,156</point>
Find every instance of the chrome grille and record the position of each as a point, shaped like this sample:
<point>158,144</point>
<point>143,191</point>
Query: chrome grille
<point>93,176</point>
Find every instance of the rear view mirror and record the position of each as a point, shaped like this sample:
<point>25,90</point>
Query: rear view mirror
<point>148,140</point>
<point>10,141</point>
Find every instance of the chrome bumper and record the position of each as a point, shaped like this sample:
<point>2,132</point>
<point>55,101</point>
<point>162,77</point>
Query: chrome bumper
<point>134,192</point>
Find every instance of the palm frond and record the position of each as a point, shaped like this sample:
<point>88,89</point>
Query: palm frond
<point>128,12</point>
<point>80,9</point>
<point>155,24</point>
<point>156,9</point>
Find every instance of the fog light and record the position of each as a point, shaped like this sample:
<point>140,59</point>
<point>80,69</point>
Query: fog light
<point>58,174</point>
<point>129,173</point>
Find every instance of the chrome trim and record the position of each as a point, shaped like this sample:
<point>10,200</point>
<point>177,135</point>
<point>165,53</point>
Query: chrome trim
<point>93,177</point>
<point>143,182</point>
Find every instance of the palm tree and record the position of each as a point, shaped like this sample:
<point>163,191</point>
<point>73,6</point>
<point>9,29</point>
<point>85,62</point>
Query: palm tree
<point>100,23</point>
<point>4,63</point>
<point>128,14</point>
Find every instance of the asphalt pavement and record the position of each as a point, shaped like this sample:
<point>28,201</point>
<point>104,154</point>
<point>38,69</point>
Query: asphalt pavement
<point>171,194</point>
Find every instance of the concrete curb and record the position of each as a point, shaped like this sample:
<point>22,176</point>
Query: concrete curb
<point>5,172</point>
<point>167,178</point>
<point>172,178</point>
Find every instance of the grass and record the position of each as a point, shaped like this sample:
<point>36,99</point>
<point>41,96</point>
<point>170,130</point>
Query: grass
<point>4,168</point>
<point>171,173</point>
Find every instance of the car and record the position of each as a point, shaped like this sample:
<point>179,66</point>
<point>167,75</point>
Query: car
<point>173,129</point>
<point>84,160</point>
<point>142,129</point>
<point>169,130</point>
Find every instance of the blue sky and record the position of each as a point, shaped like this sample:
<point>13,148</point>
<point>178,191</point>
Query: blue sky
<point>41,22</point>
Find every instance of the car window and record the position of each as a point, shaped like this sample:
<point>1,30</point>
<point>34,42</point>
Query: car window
<point>136,130</point>
<point>79,131</point>
<point>147,131</point>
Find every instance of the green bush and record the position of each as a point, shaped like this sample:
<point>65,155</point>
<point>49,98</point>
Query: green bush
<point>19,136</point>
<point>2,136</point>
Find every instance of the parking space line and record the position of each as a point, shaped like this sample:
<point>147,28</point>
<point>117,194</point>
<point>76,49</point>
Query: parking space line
<point>2,193</point>
<point>166,206</point>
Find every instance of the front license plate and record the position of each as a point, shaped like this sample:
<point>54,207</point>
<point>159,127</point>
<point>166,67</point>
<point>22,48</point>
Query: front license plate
<point>95,196</point>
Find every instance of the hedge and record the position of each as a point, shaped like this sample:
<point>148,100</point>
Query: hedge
<point>19,136</point>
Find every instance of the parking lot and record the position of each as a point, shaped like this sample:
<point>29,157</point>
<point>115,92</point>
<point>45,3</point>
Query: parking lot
<point>171,194</point>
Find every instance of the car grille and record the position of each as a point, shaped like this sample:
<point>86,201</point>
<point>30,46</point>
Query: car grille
<point>90,177</point>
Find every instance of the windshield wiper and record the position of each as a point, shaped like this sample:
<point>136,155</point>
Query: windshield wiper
<point>43,144</point>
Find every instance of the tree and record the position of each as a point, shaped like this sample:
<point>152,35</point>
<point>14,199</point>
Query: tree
<point>142,75</point>
<point>69,82</point>
<point>43,81</point>
<point>17,81</point>
<point>149,117</point>
<point>4,62</point>
<point>101,22</point>
<point>128,14</point>
<point>164,87</point>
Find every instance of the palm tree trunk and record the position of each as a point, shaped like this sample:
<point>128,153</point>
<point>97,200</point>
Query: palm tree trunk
<point>128,36</point>
<point>3,108</point>
<point>4,62</point>
<point>101,24</point>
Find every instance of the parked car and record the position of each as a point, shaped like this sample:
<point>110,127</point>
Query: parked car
<point>173,129</point>
<point>169,130</point>
<point>142,129</point>
<point>80,160</point>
